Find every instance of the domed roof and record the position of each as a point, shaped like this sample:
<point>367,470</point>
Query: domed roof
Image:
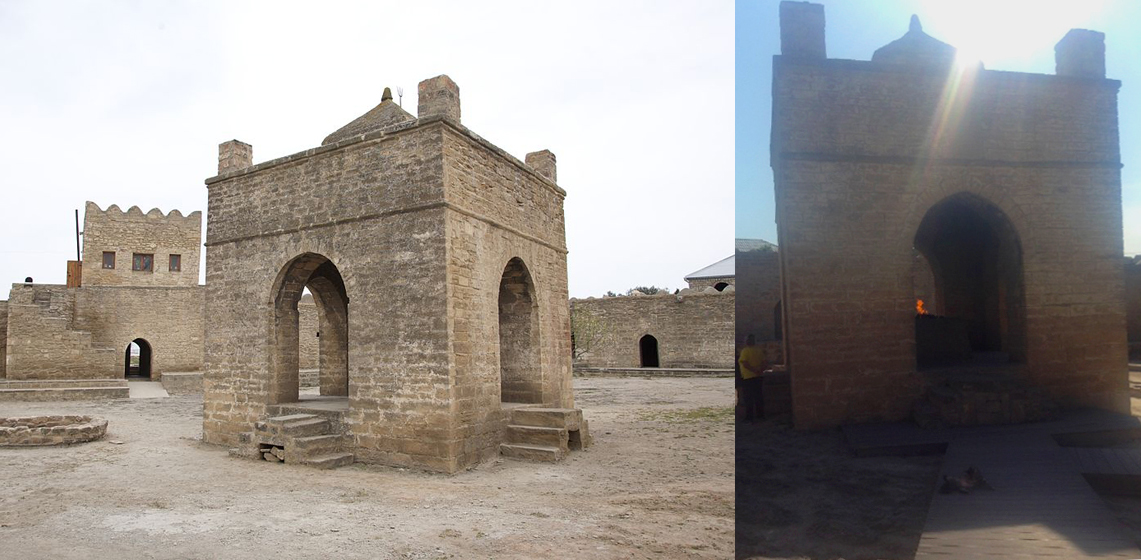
<point>916,48</point>
<point>384,115</point>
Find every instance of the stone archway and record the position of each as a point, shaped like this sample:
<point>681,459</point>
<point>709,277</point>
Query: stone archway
<point>324,281</point>
<point>137,367</point>
<point>975,258</point>
<point>520,377</point>
<point>648,350</point>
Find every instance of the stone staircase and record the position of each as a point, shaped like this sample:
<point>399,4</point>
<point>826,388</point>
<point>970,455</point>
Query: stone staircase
<point>544,434</point>
<point>304,439</point>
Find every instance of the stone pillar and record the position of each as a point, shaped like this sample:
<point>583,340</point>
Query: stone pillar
<point>802,30</point>
<point>1081,53</point>
<point>438,96</point>
<point>543,162</point>
<point>234,155</point>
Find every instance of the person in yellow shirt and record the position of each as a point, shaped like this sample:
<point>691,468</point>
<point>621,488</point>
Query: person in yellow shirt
<point>753,362</point>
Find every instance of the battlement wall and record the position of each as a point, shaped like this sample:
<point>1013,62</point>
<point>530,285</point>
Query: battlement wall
<point>131,233</point>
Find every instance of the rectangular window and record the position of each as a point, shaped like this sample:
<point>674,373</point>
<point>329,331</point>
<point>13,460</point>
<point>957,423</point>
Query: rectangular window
<point>176,263</point>
<point>108,259</point>
<point>143,262</point>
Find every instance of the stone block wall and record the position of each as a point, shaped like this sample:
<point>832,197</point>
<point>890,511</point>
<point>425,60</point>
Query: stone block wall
<point>388,245</point>
<point>131,232</point>
<point>757,295</point>
<point>169,319</point>
<point>3,339</point>
<point>1133,305</point>
<point>55,332</point>
<point>420,221</point>
<point>702,283</point>
<point>692,331</point>
<point>307,333</point>
<point>857,168</point>
<point>499,210</point>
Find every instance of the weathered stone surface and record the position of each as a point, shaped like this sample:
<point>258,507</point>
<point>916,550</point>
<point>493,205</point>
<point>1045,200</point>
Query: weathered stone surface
<point>50,430</point>
<point>858,167</point>
<point>1133,306</point>
<point>414,229</point>
<point>132,232</point>
<point>694,330</point>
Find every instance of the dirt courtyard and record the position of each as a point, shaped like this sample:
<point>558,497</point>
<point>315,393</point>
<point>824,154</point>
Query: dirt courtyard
<point>658,483</point>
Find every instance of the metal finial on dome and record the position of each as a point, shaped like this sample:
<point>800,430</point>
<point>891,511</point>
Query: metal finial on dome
<point>915,26</point>
<point>386,96</point>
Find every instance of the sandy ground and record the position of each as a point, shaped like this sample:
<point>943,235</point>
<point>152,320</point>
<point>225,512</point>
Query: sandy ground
<point>803,495</point>
<point>658,483</point>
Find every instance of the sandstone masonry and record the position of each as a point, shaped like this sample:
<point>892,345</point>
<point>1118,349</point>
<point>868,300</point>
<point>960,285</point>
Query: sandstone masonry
<point>437,264</point>
<point>1027,167</point>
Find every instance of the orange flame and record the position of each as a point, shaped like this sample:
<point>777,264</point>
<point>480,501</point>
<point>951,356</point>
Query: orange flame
<point>919,307</point>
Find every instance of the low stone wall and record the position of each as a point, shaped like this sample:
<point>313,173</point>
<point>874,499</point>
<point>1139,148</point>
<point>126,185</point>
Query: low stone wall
<point>50,430</point>
<point>651,372</point>
<point>691,330</point>
<point>63,390</point>
<point>182,383</point>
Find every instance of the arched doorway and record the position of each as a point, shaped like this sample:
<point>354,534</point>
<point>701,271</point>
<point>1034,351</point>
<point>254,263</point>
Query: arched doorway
<point>323,279</point>
<point>137,360</point>
<point>978,312</point>
<point>720,286</point>
<point>520,378</point>
<point>648,345</point>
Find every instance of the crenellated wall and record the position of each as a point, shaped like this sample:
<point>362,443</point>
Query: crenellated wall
<point>133,232</point>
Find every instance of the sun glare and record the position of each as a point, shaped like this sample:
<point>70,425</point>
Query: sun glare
<point>1007,35</point>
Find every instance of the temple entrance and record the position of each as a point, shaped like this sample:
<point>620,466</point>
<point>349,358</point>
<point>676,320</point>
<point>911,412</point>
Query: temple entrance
<point>649,350</point>
<point>974,310</point>
<point>137,360</point>
<point>324,282</point>
<point>520,378</point>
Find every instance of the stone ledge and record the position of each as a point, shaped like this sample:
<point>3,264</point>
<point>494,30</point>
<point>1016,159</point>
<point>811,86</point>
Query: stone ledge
<point>182,383</point>
<point>651,372</point>
<point>25,431</point>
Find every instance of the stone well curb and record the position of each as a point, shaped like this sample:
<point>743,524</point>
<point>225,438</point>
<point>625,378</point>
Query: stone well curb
<point>23,431</point>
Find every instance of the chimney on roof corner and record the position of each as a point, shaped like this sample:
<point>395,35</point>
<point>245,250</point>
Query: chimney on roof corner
<point>543,162</point>
<point>234,155</point>
<point>1081,54</point>
<point>438,96</point>
<point>802,30</point>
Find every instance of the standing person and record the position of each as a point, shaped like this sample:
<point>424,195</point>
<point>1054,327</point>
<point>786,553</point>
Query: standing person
<point>753,362</point>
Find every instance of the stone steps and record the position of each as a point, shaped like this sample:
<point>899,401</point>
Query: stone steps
<point>304,439</point>
<point>544,434</point>
<point>330,461</point>
<point>540,453</point>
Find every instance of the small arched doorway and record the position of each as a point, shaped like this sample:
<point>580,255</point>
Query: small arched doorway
<point>976,311</point>
<point>324,282</point>
<point>720,286</point>
<point>648,345</point>
<point>137,360</point>
<point>520,376</point>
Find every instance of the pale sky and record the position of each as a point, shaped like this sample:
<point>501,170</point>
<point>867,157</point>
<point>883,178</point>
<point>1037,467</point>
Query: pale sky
<point>126,102</point>
<point>1011,35</point>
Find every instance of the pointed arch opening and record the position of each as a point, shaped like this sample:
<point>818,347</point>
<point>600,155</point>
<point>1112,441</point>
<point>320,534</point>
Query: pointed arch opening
<point>648,349</point>
<point>976,311</point>
<point>324,282</point>
<point>137,360</point>
<point>520,374</point>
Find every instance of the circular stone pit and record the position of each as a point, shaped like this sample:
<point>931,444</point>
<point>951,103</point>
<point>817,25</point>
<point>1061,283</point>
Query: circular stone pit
<point>50,430</point>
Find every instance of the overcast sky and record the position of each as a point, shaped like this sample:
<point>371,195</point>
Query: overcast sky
<point>126,102</point>
<point>1007,35</point>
